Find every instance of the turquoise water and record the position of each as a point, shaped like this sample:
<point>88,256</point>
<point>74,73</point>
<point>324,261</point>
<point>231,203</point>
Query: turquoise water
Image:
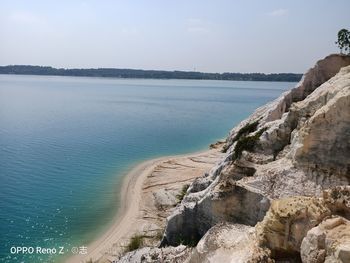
<point>66,142</point>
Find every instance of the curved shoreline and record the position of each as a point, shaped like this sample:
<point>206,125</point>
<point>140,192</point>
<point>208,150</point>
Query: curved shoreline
<point>130,198</point>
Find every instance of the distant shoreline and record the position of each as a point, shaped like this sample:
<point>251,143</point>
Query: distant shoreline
<point>146,74</point>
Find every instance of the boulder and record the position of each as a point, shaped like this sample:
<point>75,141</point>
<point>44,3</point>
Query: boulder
<point>328,242</point>
<point>227,242</point>
<point>287,223</point>
<point>228,202</point>
<point>338,200</point>
<point>177,254</point>
<point>321,144</point>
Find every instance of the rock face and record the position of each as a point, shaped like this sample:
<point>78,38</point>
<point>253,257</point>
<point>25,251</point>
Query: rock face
<point>229,243</point>
<point>155,255</point>
<point>225,205</point>
<point>287,223</point>
<point>325,118</point>
<point>338,200</point>
<point>289,220</point>
<point>297,145</point>
<point>328,242</point>
<point>286,170</point>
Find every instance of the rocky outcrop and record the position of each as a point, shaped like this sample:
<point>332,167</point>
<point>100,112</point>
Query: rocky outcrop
<point>316,76</point>
<point>276,110</point>
<point>225,205</point>
<point>287,223</point>
<point>154,255</point>
<point>321,144</point>
<point>289,220</point>
<point>229,243</point>
<point>338,200</point>
<point>286,170</point>
<point>328,242</point>
<point>276,153</point>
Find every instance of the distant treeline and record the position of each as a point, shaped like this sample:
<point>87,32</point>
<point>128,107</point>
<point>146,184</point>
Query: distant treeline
<point>148,74</point>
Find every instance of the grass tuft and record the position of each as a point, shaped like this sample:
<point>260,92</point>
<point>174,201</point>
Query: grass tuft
<point>181,195</point>
<point>135,242</point>
<point>244,131</point>
<point>248,128</point>
<point>159,234</point>
<point>189,241</point>
<point>247,143</point>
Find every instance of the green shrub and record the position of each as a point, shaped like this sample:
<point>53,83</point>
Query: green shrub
<point>245,130</point>
<point>247,143</point>
<point>248,128</point>
<point>135,242</point>
<point>181,195</point>
<point>159,234</point>
<point>189,241</point>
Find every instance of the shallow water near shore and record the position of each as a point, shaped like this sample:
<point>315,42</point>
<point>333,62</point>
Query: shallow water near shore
<point>66,142</point>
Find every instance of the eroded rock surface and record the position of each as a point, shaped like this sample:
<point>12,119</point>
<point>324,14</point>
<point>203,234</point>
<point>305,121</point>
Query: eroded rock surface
<point>177,254</point>
<point>297,145</point>
<point>287,223</point>
<point>290,220</point>
<point>328,242</point>
<point>229,243</point>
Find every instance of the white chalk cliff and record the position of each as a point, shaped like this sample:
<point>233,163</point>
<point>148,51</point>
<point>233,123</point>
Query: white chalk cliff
<point>281,193</point>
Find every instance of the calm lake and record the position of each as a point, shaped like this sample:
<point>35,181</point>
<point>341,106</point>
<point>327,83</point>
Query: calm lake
<point>66,142</point>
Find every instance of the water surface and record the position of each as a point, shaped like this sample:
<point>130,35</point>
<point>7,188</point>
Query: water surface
<point>66,142</point>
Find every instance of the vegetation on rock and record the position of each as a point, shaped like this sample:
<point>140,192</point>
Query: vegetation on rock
<point>247,143</point>
<point>190,241</point>
<point>136,241</point>
<point>245,130</point>
<point>344,40</point>
<point>248,128</point>
<point>181,195</point>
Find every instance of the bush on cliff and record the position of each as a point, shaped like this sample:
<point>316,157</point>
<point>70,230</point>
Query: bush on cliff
<point>245,130</point>
<point>135,242</point>
<point>181,195</point>
<point>248,128</point>
<point>247,143</point>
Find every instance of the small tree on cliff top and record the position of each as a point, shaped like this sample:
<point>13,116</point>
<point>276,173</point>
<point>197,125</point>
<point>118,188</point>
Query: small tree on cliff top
<point>344,40</point>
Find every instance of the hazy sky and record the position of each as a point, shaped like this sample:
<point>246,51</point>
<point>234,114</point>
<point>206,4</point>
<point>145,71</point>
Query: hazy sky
<point>205,35</point>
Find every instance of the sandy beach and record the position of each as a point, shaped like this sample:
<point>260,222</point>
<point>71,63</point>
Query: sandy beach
<point>148,196</point>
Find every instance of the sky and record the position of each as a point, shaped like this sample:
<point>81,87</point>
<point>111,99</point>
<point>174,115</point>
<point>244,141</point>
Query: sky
<point>201,35</point>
